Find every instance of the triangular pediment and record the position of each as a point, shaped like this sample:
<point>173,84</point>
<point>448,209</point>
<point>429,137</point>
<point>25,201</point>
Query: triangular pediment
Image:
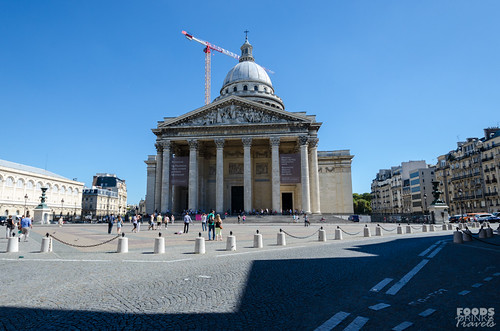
<point>235,111</point>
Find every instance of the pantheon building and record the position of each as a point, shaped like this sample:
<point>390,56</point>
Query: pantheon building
<point>245,152</point>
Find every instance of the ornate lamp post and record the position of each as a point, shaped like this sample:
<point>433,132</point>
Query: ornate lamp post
<point>25,203</point>
<point>425,207</point>
<point>62,206</point>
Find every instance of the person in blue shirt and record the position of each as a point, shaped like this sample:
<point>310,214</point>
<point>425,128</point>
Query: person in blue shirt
<point>26,225</point>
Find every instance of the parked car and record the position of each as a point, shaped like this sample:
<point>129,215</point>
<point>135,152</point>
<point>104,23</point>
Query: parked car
<point>481,217</point>
<point>454,219</point>
<point>492,219</point>
<point>3,220</point>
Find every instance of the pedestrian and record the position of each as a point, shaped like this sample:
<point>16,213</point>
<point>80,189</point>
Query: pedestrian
<point>211,224</point>
<point>218,228</point>
<point>110,224</point>
<point>166,219</point>
<point>172,218</point>
<point>159,220</point>
<point>9,229</point>
<point>244,218</point>
<point>139,222</point>
<point>239,219</point>
<point>134,223</point>
<point>187,220</point>
<point>119,224</point>
<point>61,221</point>
<point>26,225</point>
<point>151,223</point>
<point>204,222</point>
<point>306,220</point>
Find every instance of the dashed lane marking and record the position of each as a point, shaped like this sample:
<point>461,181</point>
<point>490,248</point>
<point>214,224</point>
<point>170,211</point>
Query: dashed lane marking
<point>381,285</point>
<point>487,279</point>
<point>402,326</point>
<point>429,249</point>
<point>406,278</point>
<point>333,322</point>
<point>464,292</point>
<point>427,312</point>
<point>357,324</point>
<point>496,274</point>
<point>431,255</point>
<point>379,306</point>
<point>259,251</point>
<point>477,285</point>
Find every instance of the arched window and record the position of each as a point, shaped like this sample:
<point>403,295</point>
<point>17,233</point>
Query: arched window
<point>20,183</point>
<point>30,184</point>
<point>70,190</point>
<point>245,88</point>
<point>227,91</point>
<point>235,89</point>
<point>265,89</point>
<point>255,88</point>
<point>63,190</point>
<point>9,182</point>
<point>56,189</point>
<point>38,186</point>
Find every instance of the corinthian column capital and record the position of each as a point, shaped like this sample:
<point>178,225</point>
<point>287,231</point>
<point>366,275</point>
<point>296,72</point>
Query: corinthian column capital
<point>275,141</point>
<point>219,143</point>
<point>193,144</point>
<point>247,142</point>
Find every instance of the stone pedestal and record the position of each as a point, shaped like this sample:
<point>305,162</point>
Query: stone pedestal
<point>439,213</point>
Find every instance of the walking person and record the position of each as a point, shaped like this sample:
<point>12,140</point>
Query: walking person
<point>110,224</point>
<point>134,223</point>
<point>166,219</point>
<point>211,225</point>
<point>61,221</point>
<point>9,228</point>
<point>26,225</point>
<point>187,220</point>
<point>244,218</point>
<point>119,224</point>
<point>159,220</point>
<point>203,222</point>
<point>172,219</point>
<point>218,228</point>
<point>139,222</point>
<point>306,220</point>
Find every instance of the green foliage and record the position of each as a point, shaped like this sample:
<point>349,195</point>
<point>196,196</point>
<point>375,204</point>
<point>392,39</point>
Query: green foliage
<point>362,203</point>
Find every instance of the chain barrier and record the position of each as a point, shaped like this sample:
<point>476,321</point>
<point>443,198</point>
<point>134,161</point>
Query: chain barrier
<point>84,246</point>
<point>300,237</point>
<point>351,234</point>
<point>387,229</point>
<point>417,227</point>
<point>483,241</point>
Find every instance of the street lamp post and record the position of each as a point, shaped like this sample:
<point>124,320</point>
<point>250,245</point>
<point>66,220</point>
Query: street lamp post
<point>460,199</point>
<point>62,206</point>
<point>25,203</point>
<point>425,208</point>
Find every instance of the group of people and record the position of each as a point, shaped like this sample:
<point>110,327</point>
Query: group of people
<point>24,225</point>
<point>210,222</point>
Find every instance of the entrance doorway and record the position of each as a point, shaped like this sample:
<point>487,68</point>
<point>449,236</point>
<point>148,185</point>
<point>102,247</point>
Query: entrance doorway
<point>237,199</point>
<point>286,201</point>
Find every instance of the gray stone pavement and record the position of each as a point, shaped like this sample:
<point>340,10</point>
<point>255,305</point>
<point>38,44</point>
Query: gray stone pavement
<point>270,288</point>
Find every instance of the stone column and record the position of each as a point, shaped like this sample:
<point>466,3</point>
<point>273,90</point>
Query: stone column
<point>304,171</point>
<point>247,174</point>
<point>165,182</point>
<point>193,175</point>
<point>158,179</point>
<point>150,184</point>
<point>314,176</point>
<point>275,173</point>
<point>219,176</point>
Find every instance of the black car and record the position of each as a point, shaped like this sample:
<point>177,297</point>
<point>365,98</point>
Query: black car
<point>454,219</point>
<point>3,220</point>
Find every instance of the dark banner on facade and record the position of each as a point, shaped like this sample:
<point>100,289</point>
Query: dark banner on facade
<point>290,168</point>
<point>179,171</point>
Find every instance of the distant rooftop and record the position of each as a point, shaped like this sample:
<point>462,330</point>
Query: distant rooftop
<point>22,167</point>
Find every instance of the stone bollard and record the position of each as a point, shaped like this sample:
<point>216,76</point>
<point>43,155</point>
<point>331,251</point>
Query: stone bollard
<point>474,225</point>
<point>489,232</point>
<point>466,235</point>
<point>231,242</point>
<point>257,240</point>
<point>12,245</point>
<point>400,229</point>
<point>498,229</point>
<point>338,233</point>
<point>444,227</point>
<point>281,238</point>
<point>461,226</point>
<point>482,233</point>
<point>321,235</point>
<point>159,244</point>
<point>424,227</point>
<point>432,228</point>
<point>46,244</point>
<point>122,244</point>
<point>457,237</point>
<point>450,227</point>
<point>408,229</point>
<point>199,245</point>
<point>378,231</point>
<point>366,231</point>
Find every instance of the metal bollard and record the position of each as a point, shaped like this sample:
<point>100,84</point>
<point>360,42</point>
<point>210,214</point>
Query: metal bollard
<point>159,244</point>
<point>366,231</point>
<point>321,235</point>
<point>400,229</point>
<point>432,228</point>
<point>338,234</point>
<point>424,227</point>
<point>482,233</point>
<point>281,239</point>
<point>408,229</point>
<point>199,245</point>
<point>12,245</point>
<point>46,244</point>
<point>122,244</point>
<point>231,242</point>
<point>457,237</point>
<point>257,240</point>
<point>378,231</point>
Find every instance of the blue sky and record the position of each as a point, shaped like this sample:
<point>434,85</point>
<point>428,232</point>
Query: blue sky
<point>82,83</point>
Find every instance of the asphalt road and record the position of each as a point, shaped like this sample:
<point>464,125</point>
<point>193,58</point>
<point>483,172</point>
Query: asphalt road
<point>410,282</point>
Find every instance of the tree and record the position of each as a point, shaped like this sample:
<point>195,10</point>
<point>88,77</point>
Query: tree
<point>362,203</point>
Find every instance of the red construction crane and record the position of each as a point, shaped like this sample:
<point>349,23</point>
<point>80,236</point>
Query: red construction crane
<point>207,50</point>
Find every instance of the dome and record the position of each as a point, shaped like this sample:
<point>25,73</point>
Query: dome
<point>247,71</point>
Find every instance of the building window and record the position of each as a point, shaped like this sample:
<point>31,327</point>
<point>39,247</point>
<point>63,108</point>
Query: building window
<point>9,182</point>
<point>227,91</point>
<point>245,88</point>
<point>20,183</point>
<point>235,89</point>
<point>255,88</point>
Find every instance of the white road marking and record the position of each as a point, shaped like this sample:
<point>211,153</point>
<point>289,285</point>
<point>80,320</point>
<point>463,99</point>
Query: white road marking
<point>464,292</point>
<point>333,322</point>
<point>431,255</point>
<point>477,285</point>
<point>429,249</point>
<point>402,326</point>
<point>379,306</point>
<point>259,251</point>
<point>406,278</point>
<point>487,279</point>
<point>381,285</point>
<point>85,260</point>
<point>203,276</point>
<point>496,274</point>
<point>357,324</point>
<point>427,312</point>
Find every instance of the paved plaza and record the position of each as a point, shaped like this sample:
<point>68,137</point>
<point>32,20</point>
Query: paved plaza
<point>305,285</point>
